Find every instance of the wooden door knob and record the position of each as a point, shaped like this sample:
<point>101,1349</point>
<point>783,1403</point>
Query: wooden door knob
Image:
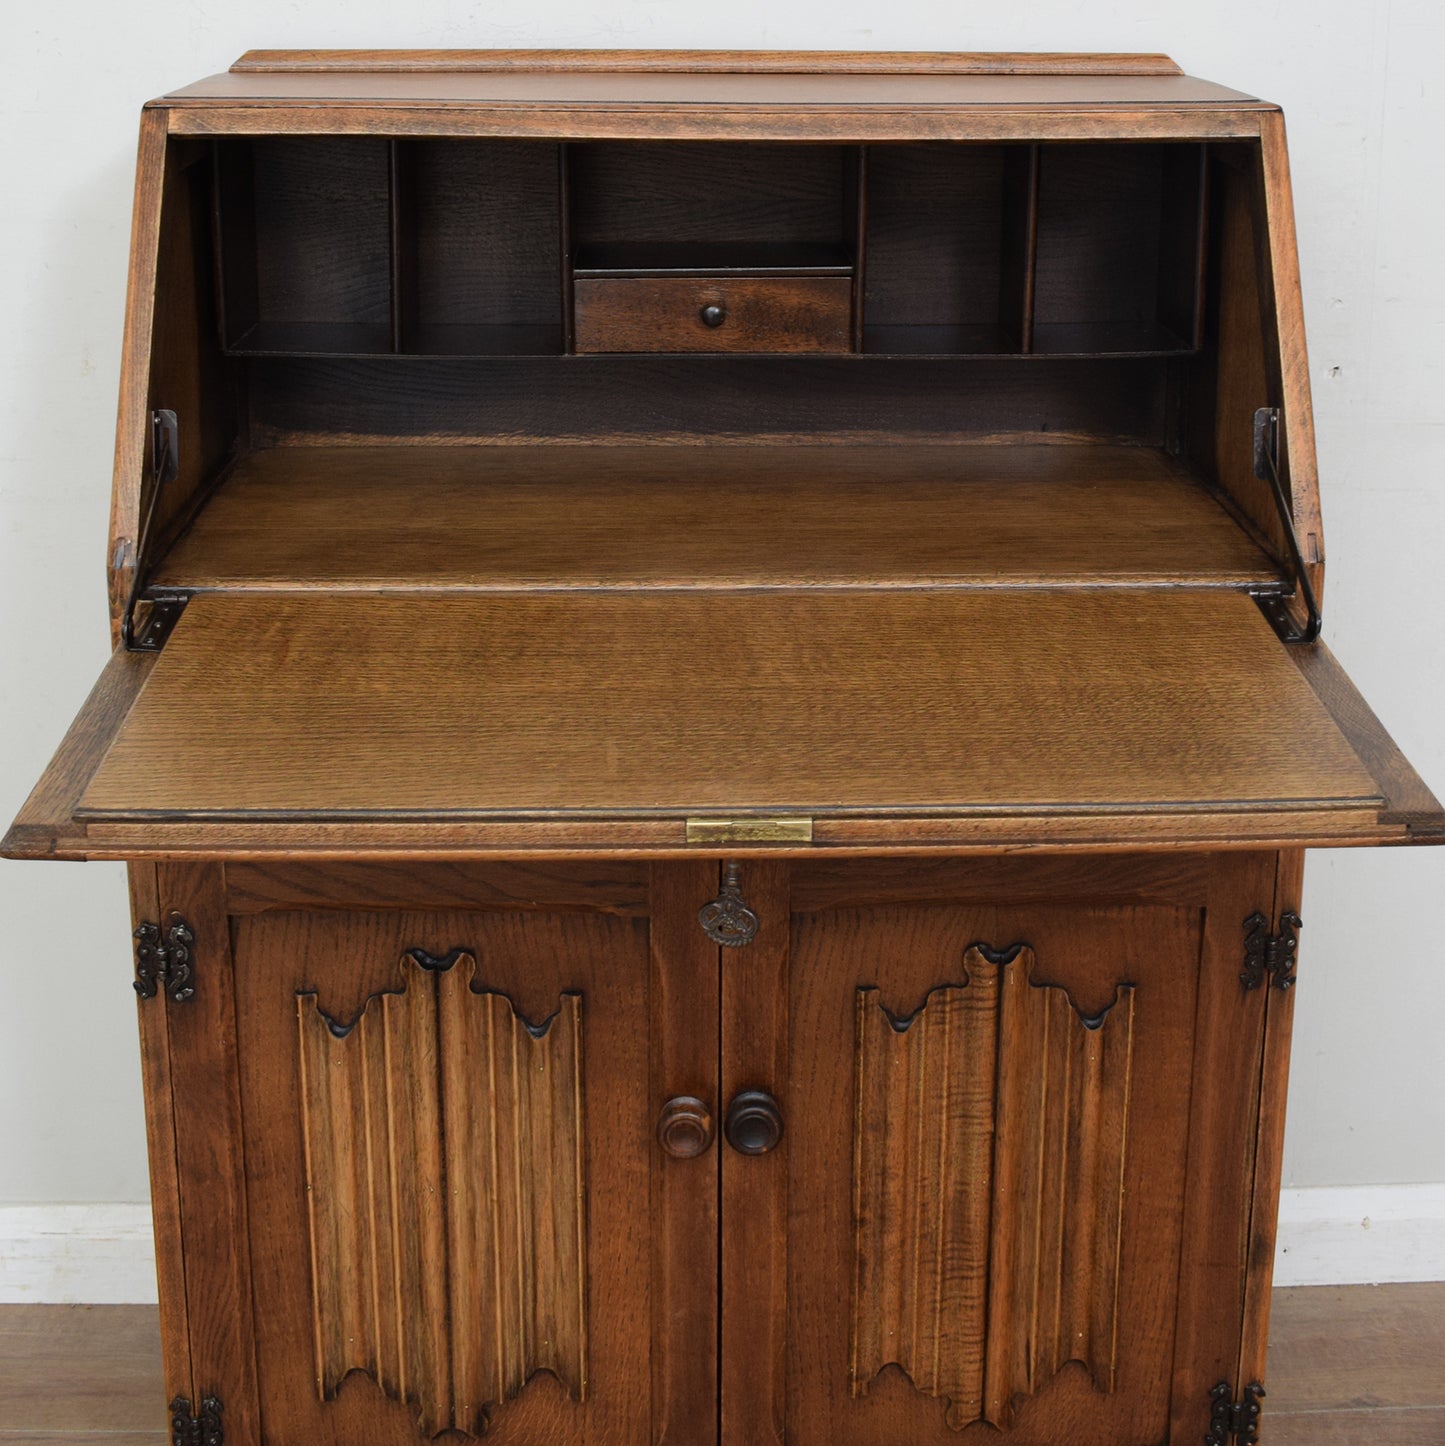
<point>754,1124</point>
<point>684,1128</point>
<point>713,315</point>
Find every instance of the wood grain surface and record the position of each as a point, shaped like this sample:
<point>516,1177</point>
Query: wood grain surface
<point>744,516</point>
<point>903,954</point>
<point>308,706</point>
<point>447,1220</point>
<point>760,314</point>
<point>787,62</point>
<point>1348,1364</point>
<point>988,1173</point>
<point>598,90</point>
<point>507,1308</point>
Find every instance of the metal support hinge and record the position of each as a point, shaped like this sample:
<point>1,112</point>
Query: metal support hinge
<point>1234,1421</point>
<point>147,631</point>
<point>1270,956</point>
<point>164,961</point>
<point>1272,605</point>
<point>202,1430</point>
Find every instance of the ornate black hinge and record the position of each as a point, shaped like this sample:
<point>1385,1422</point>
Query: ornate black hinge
<point>1269,955</point>
<point>202,1430</point>
<point>1231,1420</point>
<point>163,961</point>
<point>727,920</point>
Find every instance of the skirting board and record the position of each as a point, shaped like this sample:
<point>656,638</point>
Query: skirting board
<point>102,1254</point>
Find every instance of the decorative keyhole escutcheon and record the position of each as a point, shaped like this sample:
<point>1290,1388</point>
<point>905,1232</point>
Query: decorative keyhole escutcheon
<point>754,1125</point>
<point>685,1128</point>
<point>727,920</point>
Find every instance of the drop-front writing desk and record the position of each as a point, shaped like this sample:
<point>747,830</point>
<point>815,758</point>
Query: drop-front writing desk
<point>715,717</point>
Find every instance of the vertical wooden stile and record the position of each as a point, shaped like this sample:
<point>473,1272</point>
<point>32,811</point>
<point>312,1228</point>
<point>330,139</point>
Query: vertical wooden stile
<point>755,1051</point>
<point>860,249</point>
<point>156,1077</point>
<point>210,1153</point>
<point>683,1060</point>
<point>564,218</point>
<point>1269,1149</point>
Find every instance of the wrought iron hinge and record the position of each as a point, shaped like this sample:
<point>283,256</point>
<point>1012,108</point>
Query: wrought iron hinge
<point>727,920</point>
<point>202,1430</point>
<point>1272,605</point>
<point>1231,1420</point>
<point>1270,956</point>
<point>149,633</point>
<point>164,961</point>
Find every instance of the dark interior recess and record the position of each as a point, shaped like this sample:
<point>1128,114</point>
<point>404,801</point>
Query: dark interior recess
<point>1120,231</point>
<point>372,291</point>
<point>351,246</point>
<point>947,244</point>
<point>647,206</point>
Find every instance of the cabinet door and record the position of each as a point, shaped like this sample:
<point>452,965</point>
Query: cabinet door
<point>460,1219</point>
<point>1011,1193</point>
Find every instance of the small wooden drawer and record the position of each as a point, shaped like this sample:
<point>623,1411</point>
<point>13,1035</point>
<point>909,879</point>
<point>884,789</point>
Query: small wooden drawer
<point>701,314</point>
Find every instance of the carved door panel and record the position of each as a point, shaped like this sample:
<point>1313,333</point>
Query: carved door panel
<point>452,1170</point>
<point>978,1205</point>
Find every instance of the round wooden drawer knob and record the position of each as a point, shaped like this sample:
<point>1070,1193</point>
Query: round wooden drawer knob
<point>713,315</point>
<point>754,1124</point>
<point>684,1128</point>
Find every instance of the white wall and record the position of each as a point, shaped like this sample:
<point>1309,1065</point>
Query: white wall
<point>1362,87</point>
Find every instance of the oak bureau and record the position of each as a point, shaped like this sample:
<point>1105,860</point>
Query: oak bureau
<point>716,706</point>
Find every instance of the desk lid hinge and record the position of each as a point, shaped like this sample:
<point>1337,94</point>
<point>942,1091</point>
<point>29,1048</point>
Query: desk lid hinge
<point>1270,956</point>
<point>149,634</point>
<point>202,1430</point>
<point>165,961</point>
<point>1232,1421</point>
<point>1273,605</point>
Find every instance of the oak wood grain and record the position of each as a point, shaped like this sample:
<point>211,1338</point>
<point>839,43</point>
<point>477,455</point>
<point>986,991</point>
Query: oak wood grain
<point>211,1165</point>
<point>906,951</point>
<point>991,1132</point>
<point>161,1150</point>
<point>603,886</point>
<point>1215,1261</point>
<point>446,1188</point>
<point>789,62</point>
<point>570,516</point>
<point>535,959</point>
<point>685,1211</point>
<point>1078,120</point>
<point>759,314</point>
<point>598,704</point>
<point>762,91</point>
<point>44,827</point>
<point>756,1040</point>
<point>132,422</point>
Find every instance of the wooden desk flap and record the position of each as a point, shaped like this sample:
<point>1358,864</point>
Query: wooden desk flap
<point>286,722</point>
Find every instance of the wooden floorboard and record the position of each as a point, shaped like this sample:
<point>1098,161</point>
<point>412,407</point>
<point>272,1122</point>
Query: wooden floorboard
<point>1349,1366</point>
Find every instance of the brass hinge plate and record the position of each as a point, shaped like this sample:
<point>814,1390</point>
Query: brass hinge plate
<point>749,830</point>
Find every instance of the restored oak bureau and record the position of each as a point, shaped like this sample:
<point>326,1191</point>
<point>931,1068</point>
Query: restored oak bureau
<point>716,708</point>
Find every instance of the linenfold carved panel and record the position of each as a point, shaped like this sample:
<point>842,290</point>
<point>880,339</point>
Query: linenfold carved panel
<point>444,1169</point>
<point>990,1135</point>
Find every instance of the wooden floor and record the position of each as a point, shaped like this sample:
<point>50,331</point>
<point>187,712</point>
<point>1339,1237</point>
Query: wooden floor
<point>1349,1366</point>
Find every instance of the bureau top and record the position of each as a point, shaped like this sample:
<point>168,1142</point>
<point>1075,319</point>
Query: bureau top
<point>754,80</point>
